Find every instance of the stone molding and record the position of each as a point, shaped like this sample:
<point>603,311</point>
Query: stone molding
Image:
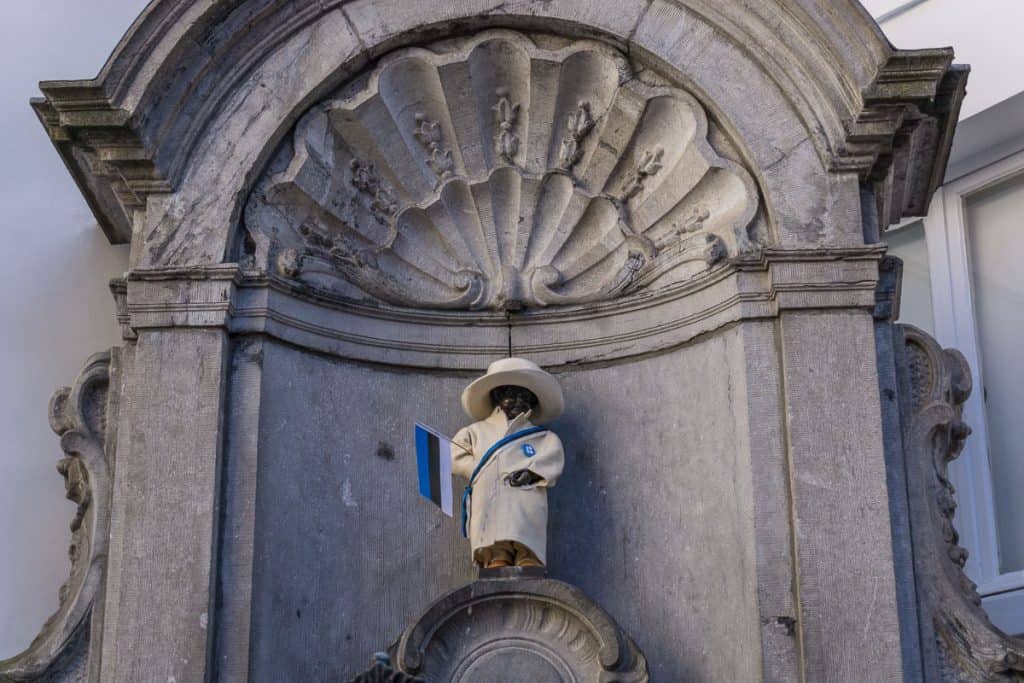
<point>900,140</point>
<point>255,302</point>
<point>965,645</point>
<point>554,630</point>
<point>85,417</point>
<point>502,171</point>
<point>112,166</point>
<point>890,288</point>
<point>131,133</point>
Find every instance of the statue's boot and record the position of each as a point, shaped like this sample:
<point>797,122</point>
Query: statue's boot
<point>528,562</point>
<point>497,564</point>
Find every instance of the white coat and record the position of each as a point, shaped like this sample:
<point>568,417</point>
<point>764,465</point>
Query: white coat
<point>499,511</point>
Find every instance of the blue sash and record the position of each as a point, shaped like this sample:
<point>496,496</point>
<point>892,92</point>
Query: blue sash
<point>467,494</point>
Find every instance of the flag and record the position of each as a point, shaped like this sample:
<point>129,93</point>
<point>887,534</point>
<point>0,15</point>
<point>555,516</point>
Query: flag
<point>434,462</point>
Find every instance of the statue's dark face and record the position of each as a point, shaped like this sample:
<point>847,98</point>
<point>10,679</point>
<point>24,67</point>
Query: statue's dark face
<point>513,400</point>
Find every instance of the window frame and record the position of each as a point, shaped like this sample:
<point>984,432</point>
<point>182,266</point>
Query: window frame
<point>947,243</point>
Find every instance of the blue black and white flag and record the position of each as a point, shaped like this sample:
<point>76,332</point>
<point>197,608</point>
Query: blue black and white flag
<point>434,460</point>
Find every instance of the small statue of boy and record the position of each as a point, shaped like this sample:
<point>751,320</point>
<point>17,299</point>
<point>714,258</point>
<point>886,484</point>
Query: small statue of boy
<point>510,461</point>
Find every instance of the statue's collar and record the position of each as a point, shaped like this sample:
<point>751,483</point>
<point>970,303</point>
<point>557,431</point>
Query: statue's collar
<point>521,421</point>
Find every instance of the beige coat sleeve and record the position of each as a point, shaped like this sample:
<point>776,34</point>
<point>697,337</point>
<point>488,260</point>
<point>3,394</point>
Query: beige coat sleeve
<point>462,453</point>
<point>547,463</point>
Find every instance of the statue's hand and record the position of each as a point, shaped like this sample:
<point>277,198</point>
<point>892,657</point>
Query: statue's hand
<point>523,478</point>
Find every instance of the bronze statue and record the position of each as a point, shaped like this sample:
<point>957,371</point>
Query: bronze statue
<point>511,460</point>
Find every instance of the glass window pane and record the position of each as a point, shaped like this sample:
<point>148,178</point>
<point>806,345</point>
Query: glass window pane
<point>908,244</point>
<point>995,233</point>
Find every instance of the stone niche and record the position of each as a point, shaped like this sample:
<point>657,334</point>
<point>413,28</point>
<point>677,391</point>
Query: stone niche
<point>512,179</point>
<point>625,526</point>
<point>342,212</point>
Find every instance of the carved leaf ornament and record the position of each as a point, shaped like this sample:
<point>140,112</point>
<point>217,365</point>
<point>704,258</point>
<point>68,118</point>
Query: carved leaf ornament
<point>496,174</point>
<point>970,647</point>
<point>81,415</point>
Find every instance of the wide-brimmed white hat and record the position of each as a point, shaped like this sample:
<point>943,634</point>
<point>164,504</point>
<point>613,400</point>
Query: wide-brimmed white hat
<point>476,399</point>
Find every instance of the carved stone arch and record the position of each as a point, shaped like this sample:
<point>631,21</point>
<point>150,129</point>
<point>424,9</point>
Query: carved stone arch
<point>191,81</point>
<point>155,129</point>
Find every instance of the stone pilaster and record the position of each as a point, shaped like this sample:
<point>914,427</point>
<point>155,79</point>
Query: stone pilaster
<point>159,604</point>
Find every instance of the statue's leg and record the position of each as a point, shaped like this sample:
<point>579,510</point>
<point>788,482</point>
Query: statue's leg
<point>524,557</point>
<point>501,554</point>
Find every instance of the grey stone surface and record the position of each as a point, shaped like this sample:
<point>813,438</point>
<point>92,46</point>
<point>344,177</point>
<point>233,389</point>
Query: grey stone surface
<point>761,428</point>
<point>844,559</point>
<point>251,301</point>
<point>803,126</point>
<point>896,475</point>
<point>345,550</point>
<point>239,474</point>
<point>164,521</point>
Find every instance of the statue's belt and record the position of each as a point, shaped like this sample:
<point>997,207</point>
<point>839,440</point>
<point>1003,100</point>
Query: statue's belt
<point>467,494</point>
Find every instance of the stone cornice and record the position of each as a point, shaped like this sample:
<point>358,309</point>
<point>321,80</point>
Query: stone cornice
<point>900,140</point>
<point>111,165</point>
<point>254,302</point>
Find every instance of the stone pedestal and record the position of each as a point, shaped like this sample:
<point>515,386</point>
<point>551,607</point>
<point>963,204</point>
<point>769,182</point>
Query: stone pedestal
<point>512,626</point>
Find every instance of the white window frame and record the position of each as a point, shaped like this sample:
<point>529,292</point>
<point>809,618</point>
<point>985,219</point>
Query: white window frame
<point>946,236</point>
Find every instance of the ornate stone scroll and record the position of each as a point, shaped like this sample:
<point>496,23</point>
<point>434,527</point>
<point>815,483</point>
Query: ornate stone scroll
<point>493,173</point>
<point>83,416</point>
<point>524,626</point>
<point>969,648</point>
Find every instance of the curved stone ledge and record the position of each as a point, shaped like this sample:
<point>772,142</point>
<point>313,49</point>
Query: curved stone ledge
<point>253,302</point>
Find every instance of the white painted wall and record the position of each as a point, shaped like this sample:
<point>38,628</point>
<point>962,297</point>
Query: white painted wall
<point>54,303</point>
<point>993,221</point>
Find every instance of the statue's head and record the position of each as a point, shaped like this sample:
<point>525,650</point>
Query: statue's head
<point>515,385</point>
<point>513,400</point>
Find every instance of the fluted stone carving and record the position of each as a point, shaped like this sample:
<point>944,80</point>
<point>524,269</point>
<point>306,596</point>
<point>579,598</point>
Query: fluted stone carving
<point>83,417</point>
<point>937,381</point>
<point>492,173</point>
<point>518,628</point>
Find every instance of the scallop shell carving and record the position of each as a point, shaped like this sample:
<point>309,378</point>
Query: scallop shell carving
<point>497,174</point>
